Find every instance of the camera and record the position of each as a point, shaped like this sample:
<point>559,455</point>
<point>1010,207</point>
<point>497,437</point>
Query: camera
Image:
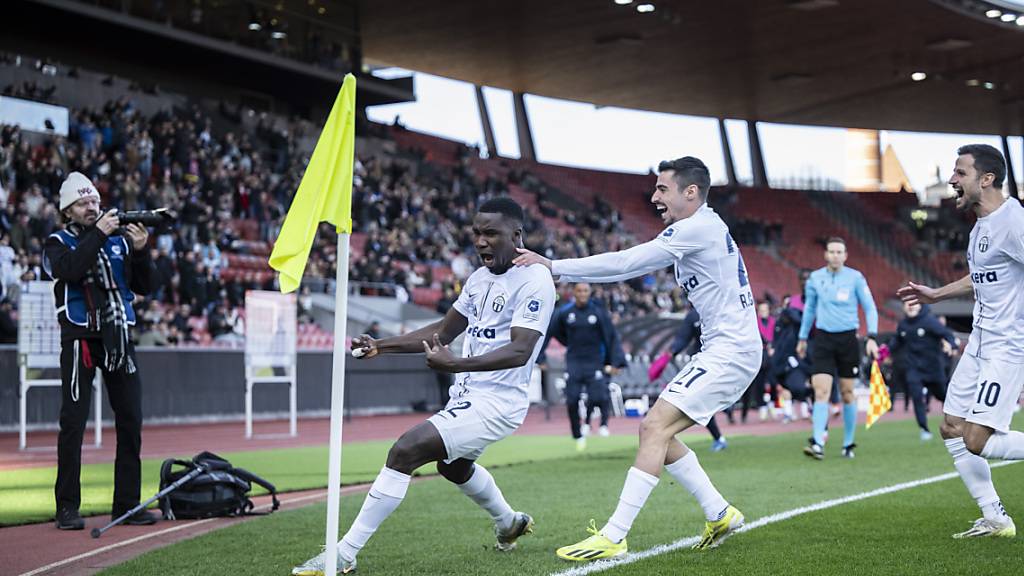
<point>151,218</point>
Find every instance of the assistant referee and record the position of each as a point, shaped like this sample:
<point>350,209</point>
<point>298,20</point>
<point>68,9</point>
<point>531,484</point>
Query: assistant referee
<point>831,297</point>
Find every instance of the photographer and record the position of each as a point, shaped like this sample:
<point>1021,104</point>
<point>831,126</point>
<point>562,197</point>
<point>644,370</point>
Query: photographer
<point>96,269</point>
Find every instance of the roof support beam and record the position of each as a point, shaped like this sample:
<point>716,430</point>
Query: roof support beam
<point>730,167</point>
<point>756,157</point>
<point>1011,180</point>
<point>526,149</point>
<point>485,122</point>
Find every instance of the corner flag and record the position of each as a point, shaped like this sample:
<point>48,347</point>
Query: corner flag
<point>325,193</point>
<point>879,399</point>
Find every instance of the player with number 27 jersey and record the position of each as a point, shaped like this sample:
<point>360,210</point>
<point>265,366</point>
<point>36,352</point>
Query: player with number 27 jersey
<point>710,270</point>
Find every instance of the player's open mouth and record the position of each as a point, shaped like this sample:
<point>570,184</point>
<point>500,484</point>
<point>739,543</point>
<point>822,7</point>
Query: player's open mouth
<point>959,192</point>
<point>661,208</point>
<point>487,259</point>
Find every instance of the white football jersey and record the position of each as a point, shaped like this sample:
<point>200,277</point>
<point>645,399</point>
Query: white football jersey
<point>708,267</point>
<point>995,257</point>
<point>522,297</point>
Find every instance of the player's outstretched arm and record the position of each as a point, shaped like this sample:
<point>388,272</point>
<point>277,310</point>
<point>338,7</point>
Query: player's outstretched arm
<point>447,328</point>
<point>512,355</point>
<point>614,266</point>
<point>921,294</point>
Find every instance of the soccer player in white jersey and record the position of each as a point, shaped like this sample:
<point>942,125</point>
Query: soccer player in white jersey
<point>986,384</point>
<point>504,311</point>
<point>709,268</point>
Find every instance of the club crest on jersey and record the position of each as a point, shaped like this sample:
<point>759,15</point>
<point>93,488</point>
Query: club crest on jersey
<point>499,304</point>
<point>983,244</point>
<point>668,232</point>
<point>116,250</point>
<point>591,319</point>
<point>571,319</point>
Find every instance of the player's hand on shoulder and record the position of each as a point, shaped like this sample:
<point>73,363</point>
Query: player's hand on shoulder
<point>364,347</point>
<point>529,257</point>
<point>439,356</point>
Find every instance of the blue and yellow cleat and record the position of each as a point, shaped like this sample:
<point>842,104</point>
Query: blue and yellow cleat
<point>595,547</point>
<point>715,532</point>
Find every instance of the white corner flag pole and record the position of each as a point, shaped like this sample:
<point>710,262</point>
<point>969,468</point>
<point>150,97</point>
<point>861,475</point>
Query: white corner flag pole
<point>337,405</point>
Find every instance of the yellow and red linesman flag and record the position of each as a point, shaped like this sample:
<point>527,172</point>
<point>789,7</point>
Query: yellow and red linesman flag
<point>880,402</point>
<point>325,192</point>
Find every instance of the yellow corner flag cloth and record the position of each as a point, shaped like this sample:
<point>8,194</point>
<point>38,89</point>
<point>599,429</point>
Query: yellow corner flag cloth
<point>880,401</point>
<point>325,192</point>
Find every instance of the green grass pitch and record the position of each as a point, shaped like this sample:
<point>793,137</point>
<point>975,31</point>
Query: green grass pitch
<point>438,531</point>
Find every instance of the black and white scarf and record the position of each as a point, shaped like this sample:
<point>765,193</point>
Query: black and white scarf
<point>107,314</point>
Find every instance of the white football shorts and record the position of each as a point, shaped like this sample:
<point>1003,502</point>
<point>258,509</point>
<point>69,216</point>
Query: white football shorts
<point>984,391</point>
<point>475,420</point>
<point>711,382</point>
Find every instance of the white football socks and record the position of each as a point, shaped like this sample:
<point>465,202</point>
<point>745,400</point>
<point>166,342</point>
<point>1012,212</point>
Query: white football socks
<point>635,491</point>
<point>384,496</point>
<point>977,476</point>
<point>482,489</point>
<point>1008,446</point>
<point>688,472</point>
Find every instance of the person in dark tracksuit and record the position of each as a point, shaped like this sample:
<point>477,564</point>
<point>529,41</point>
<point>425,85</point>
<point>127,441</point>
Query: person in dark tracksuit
<point>921,344</point>
<point>790,370</point>
<point>688,339</point>
<point>592,354</point>
<point>95,271</point>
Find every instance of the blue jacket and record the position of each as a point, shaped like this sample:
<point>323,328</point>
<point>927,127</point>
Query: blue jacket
<point>832,299</point>
<point>68,257</point>
<point>588,335</point>
<point>917,344</point>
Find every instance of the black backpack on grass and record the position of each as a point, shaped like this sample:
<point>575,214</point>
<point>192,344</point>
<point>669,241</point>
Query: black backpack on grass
<point>219,490</point>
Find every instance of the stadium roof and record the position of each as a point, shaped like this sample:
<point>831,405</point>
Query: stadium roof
<point>819,62</point>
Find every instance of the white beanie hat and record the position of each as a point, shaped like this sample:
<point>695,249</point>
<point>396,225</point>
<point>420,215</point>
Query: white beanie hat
<point>76,186</point>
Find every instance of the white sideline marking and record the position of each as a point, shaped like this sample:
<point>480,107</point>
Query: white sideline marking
<point>602,565</point>
<point>130,541</point>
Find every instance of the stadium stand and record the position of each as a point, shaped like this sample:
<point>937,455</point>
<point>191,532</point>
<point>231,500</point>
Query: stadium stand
<point>231,177</point>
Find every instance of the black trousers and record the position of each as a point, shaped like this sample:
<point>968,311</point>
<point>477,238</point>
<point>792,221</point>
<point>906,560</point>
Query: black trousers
<point>580,381</point>
<point>79,360</point>
<point>796,382</point>
<point>598,396</point>
<point>916,385</point>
